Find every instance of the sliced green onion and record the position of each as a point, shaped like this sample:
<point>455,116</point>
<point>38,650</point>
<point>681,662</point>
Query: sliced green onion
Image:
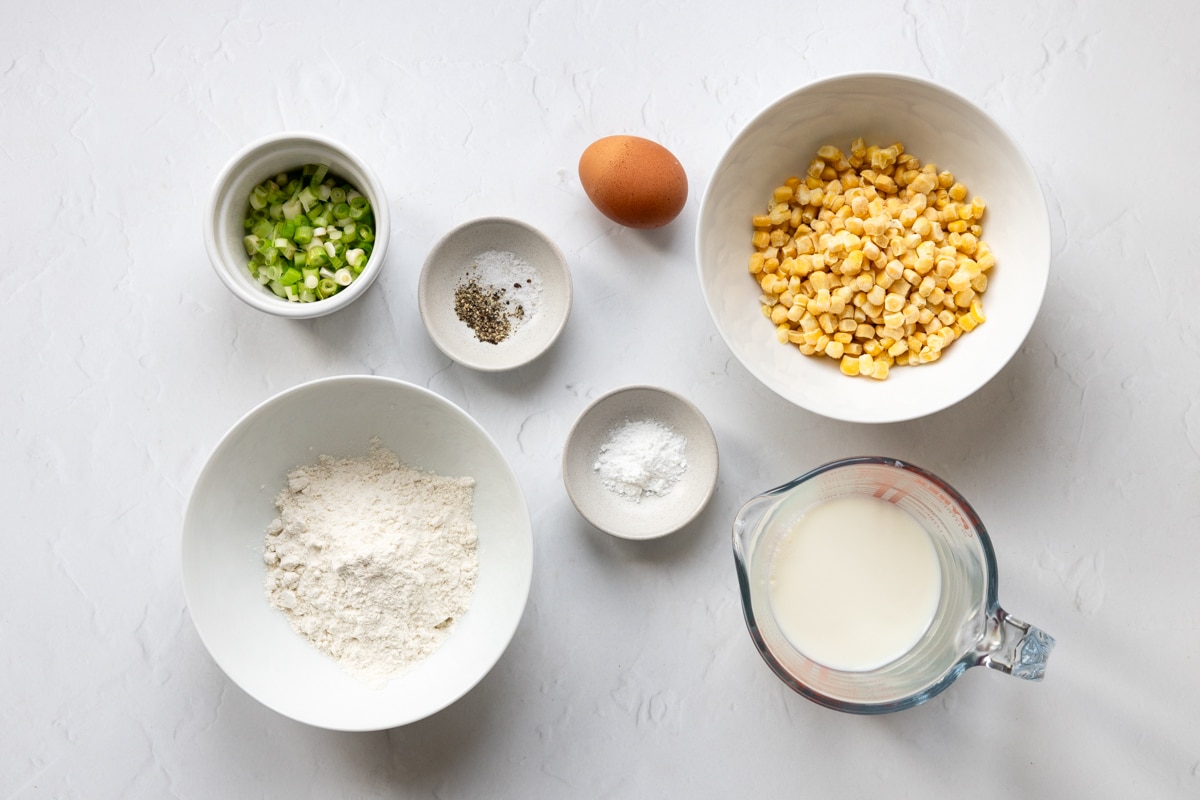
<point>258,198</point>
<point>358,207</point>
<point>308,234</point>
<point>327,287</point>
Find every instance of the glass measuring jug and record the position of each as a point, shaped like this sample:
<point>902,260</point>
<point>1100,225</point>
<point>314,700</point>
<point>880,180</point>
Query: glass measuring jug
<point>968,628</point>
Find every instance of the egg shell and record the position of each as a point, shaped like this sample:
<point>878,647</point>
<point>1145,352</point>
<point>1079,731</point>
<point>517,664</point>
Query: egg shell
<point>633,181</point>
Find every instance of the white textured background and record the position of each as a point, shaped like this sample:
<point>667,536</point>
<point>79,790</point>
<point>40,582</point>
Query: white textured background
<point>631,674</point>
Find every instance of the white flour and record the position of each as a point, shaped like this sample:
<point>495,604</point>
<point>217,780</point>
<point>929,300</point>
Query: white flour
<point>642,458</point>
<point>371,560</point>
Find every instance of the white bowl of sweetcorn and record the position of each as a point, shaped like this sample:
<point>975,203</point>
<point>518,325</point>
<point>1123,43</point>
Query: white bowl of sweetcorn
<point>930,133</point>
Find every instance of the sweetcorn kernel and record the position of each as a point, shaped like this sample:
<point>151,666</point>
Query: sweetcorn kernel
<point>871,258</point>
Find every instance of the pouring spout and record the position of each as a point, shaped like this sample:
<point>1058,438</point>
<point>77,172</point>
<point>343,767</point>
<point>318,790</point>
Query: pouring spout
<point>1015,647</point>
<point>749,520</point>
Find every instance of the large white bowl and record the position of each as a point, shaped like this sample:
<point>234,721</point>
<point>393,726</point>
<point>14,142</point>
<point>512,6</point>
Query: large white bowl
<point>935,125</point>
<point>233,502</point>
<point>230,201</point>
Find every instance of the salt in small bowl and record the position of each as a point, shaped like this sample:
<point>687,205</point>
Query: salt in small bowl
<point>648,516</point>
<point>457,258</point>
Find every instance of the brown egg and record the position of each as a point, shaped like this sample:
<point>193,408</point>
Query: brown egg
<point>633,181</point>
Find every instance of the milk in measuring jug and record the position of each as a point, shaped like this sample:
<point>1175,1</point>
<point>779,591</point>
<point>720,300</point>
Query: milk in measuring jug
<point>854,583</point>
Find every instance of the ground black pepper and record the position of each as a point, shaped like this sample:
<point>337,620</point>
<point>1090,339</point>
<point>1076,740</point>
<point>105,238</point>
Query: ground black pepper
<point>483,310</point>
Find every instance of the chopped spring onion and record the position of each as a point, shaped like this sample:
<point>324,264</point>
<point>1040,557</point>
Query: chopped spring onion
<point>308,234</point>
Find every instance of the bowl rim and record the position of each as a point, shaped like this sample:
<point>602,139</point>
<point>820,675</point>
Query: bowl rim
<point>944,401</point>
<point>670,526</point>
<point>229,173</point>
<point>427,267</point>
<point>209,465</point>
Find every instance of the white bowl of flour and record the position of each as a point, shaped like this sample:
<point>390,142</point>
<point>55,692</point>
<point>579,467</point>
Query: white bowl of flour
<point>356,553</point>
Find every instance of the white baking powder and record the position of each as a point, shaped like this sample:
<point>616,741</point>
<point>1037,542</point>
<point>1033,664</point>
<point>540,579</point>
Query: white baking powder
<point>642,458</point>
<point>371,560</point>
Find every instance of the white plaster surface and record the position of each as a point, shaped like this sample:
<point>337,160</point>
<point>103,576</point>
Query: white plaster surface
<point>631,674</point>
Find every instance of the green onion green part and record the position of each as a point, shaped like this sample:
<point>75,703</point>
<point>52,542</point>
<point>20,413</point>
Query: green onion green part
<point>308,234</point>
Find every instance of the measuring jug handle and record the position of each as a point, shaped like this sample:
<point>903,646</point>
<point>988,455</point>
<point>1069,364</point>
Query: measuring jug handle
<point>1015,647</point>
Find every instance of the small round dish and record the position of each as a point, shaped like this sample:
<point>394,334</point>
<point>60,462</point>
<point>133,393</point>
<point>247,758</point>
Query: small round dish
<point>227,207</point>
<point>468,267</point>
<point>233,501</point>
<point>649,516</point>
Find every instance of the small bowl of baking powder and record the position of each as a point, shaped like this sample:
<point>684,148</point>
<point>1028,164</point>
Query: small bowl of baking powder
<point>640,462</point>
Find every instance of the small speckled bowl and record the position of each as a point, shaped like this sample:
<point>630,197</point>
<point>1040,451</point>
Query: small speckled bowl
<point>449,265</point>
<point>650,516</point>
<point>223,230</point>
